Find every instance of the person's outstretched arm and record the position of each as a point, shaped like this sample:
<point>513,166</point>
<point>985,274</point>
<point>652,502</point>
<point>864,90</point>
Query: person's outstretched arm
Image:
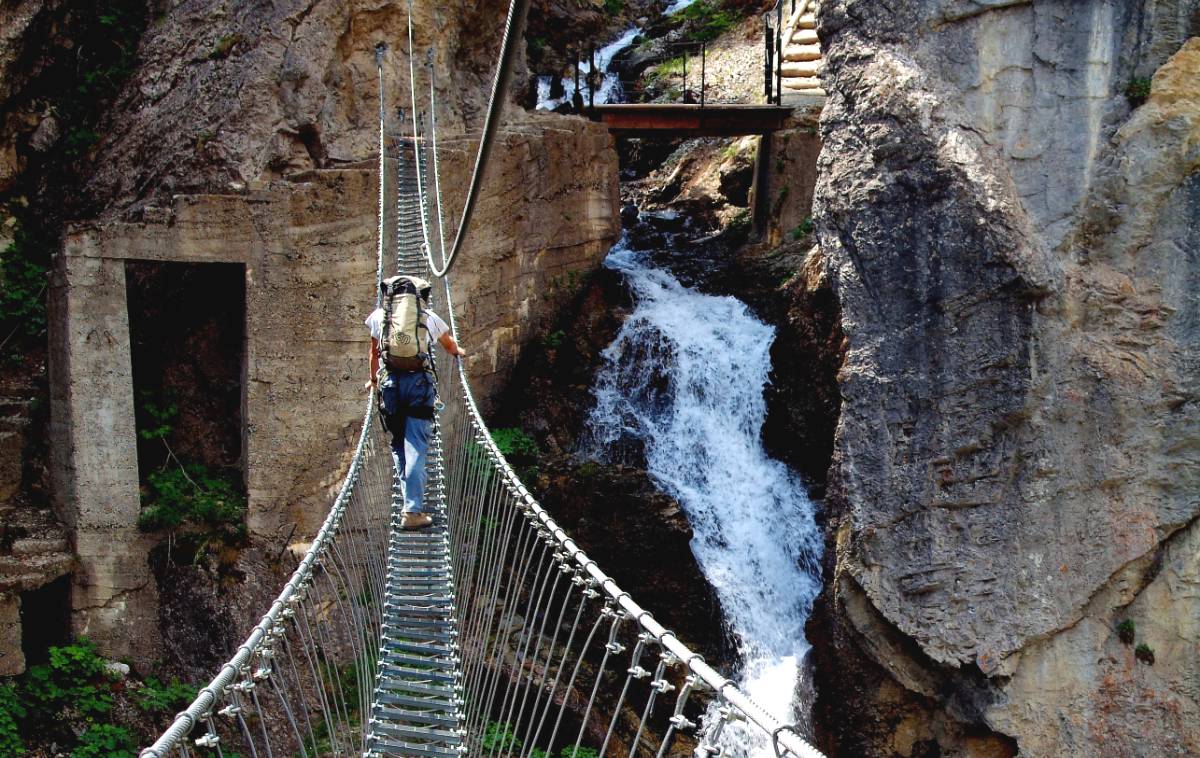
<point>451,346</point>
<point>374,363</point>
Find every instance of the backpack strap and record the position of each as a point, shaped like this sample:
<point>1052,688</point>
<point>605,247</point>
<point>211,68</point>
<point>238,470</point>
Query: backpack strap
<point>385,332</point>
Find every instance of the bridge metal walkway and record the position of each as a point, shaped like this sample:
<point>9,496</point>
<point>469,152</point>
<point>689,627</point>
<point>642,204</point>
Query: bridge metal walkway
<point>418,703</point>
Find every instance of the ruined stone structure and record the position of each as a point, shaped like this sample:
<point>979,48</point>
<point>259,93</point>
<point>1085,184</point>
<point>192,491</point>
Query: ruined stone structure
<point>248,138</point>
<point>308,246</point>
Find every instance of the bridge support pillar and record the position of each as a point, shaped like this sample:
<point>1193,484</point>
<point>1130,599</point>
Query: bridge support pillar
<point>760,189</point>
<point>94,464</point>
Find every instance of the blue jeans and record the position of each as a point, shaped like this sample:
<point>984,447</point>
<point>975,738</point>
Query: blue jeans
<point>397,393</point>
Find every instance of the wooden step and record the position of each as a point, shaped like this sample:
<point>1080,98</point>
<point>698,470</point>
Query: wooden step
<point>807,21</point>
<point>792,69</point>
<point>802,83</point>
<point>802,53</point>
<point>805,90</point>
<point>805,37</point>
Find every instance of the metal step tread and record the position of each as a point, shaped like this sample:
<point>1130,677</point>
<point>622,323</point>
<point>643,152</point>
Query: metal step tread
<point>417,733</point>
<point>413,660</point>
<point>417,688</point>
<point>398,672</point>
<point>411,717</point>
<point>398,646</point>
<point>380,746</point>
<point>451,705</point>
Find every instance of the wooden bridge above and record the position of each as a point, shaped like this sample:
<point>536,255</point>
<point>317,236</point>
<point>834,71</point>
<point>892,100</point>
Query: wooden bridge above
<point>715,120</point>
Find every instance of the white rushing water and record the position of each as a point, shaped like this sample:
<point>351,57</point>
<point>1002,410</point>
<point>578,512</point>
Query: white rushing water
<point>685,377</point>
<point>609,90</point>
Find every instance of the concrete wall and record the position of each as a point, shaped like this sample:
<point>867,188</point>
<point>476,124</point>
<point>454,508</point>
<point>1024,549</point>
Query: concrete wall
<point>309,252</point>
<point>550,215</point>
<point>309,248</point>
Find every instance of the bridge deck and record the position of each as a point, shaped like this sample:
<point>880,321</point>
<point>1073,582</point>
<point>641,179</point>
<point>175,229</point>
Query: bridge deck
<point>417,709</point>
<point>709,120</point>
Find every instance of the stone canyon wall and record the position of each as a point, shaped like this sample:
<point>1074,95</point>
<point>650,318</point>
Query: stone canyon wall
<point>1014,239</point>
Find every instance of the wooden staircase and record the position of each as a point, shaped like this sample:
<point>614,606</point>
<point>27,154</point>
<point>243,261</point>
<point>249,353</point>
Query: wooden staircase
<point>801,63</point>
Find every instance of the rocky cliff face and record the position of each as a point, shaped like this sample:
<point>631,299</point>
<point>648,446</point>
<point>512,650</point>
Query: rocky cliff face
<point>1013,242</point>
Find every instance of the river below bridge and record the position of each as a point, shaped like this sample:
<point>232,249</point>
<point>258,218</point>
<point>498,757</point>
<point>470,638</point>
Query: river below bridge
<point>683,383</point>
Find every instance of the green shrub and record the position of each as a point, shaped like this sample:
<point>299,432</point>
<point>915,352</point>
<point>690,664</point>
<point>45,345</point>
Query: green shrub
<point>804,229</point>
<point>23,280</point>
<point>668,69</point>
<point>158,416</point>
<point>554,339</point>
<point>521,450</point>
<point>706,20</point>
<point>499,737</point>
<point>75,679</point>
<point>156,697</point>
<point>11,713</point>
<point>1126,631</point>
<point>193,496</point>
<point>515,443</point>
<point>1138,90</point>
<point>613,7</point>
<point>579,752</point>
<point>106,741</point>
<point>1144,653</point>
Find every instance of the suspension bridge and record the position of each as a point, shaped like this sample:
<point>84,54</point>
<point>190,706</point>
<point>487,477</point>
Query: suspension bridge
<point>491,632</point>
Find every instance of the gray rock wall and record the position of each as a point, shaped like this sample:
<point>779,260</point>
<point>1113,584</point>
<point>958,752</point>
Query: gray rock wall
<point>1015,253</point>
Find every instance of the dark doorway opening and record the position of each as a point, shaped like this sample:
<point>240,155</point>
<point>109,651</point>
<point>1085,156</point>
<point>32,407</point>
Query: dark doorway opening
<point>187,327</point>
<point>45,620</point>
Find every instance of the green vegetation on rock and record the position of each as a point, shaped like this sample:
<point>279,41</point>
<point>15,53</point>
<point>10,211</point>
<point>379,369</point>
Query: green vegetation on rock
<point>515,443</point>
<point>193,496</point>
<point>1126,631</point>
<point>23,281</point>
<point>156,697</point>
<point>71,700</point>
<point>106,741</point>
<point>500,737</point>
<point>11,714</point>
<point>1138,90</point>
<point>708,19</point>
<point>804,229</point>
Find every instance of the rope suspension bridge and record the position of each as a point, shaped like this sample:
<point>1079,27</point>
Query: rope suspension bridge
<point>490,633</point>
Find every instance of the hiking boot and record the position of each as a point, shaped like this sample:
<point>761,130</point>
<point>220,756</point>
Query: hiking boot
<point>410,521</point>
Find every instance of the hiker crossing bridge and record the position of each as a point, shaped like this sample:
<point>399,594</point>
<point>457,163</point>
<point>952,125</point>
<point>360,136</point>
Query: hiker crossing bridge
<point>492,632</point>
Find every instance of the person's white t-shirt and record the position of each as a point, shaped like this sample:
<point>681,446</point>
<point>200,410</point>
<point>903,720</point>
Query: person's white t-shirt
<point>433,323</point>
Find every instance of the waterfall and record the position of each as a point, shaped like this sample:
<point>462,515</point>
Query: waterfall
<point>685,378</point>
<point>609,90</point>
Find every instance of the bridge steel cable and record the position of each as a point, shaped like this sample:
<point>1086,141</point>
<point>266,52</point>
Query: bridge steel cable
<point>514,27</point>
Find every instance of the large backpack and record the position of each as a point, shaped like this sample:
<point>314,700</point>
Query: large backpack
<point>405,343</point>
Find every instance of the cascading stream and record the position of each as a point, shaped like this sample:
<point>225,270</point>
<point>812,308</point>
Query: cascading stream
<point>684,378</point>
<point>609,89</point>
